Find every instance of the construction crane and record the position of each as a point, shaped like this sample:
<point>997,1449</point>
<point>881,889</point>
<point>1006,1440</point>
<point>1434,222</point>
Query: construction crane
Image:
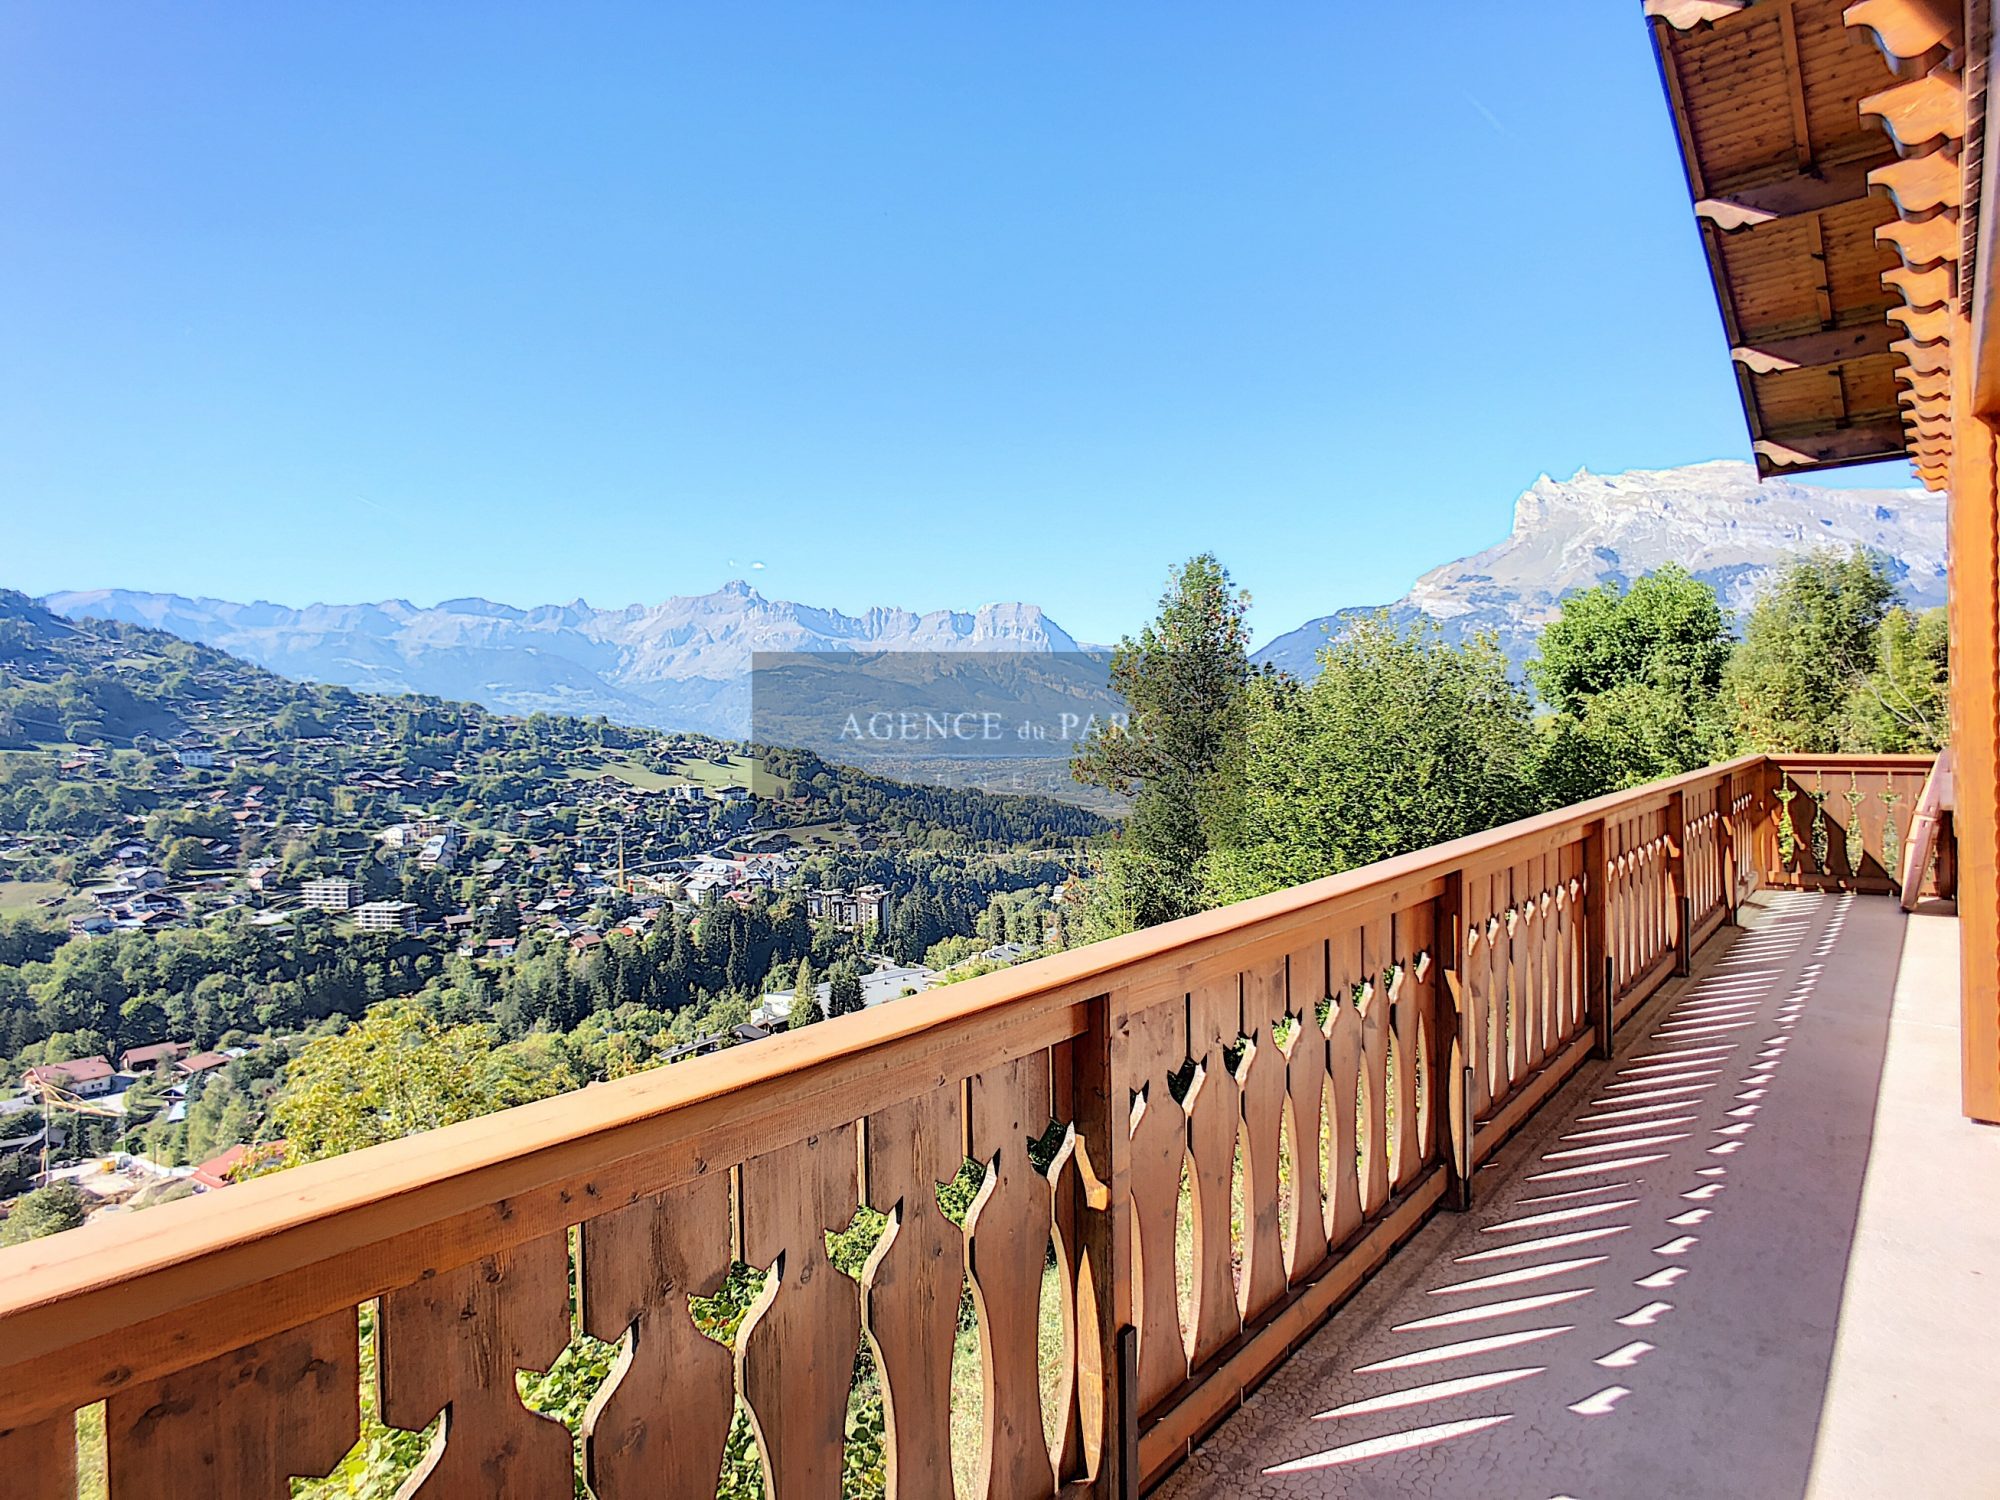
<point>53,1097</point>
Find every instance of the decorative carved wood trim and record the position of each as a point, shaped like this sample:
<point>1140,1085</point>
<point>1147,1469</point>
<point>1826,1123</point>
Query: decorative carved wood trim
<point>1685,15</point>
<point>1906,29</point>
<point>1921,184</point>
<point>1915,114</point>
<point>1924,242</point>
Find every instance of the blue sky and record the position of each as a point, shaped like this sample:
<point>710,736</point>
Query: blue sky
<point>927,304</point>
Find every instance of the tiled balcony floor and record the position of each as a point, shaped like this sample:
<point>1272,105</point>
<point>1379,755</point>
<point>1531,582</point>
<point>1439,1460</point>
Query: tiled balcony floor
<point>1645,1299</point>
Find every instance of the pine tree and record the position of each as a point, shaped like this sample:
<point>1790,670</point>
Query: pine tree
<point>844,992</point>
<point>805,1000</point>
<point>1183,679</point>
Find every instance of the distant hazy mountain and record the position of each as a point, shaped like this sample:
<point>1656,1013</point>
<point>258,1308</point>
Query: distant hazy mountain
<point>1714,518</point>
<point>682,664</point>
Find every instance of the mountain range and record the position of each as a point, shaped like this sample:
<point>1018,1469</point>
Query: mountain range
<point>684,663</point>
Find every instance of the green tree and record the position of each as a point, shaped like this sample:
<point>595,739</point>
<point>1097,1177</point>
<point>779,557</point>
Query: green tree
<point>805,999</point>
<point>395,1073</point>
<point>1809,642</point>
<point>1634,678</point>
<point>1666,630</point>
<point>844,992</point>
<point>1183,679</point>
<point>49,1210</point>
<point>1903,705</point>
<point>1401,742</point>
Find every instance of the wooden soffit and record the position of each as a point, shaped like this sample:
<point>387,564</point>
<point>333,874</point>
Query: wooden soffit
<point>1821,143</point>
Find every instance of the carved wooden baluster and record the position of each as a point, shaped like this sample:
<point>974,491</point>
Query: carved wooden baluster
<point>1412,941</point>
<point>795,1351</point>
<point>1664,916</point>
<point>658,1426</point>
<point>1522,972</point>
<point>1538,960</point>
<point>1493,1080</point>
<point>1159,1149</point>
<point>1617,907</point>
<point>1305,1089</point>
<point>1261,1080</point>
<point>1215,1020</point>
<point>1344,1036</point>
<point>1476,1037</point>
<point>1517,974</point>
<point>1566,931</point>
<point>243,1423</point>
<point>1376,956</point>
<point>912,1284</point>
<point>1580,982</point>
<point>1493,968</point>
<point>454,1343</point>
<point>1075,1440</point>
<point>39,1459</point>
<point>1417,927</point>
<point>1554,954</point>
<point>1007,1240</point>
<point>1873,818</point>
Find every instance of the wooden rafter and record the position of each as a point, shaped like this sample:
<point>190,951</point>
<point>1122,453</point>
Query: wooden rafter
<point>1881,438</point>
<point>1930,287</point>
<point>1826,346</point>
<point>1906,29</point>
<point>1924,242</point>
<point>1925,359</point>
<point>1784,197</point>
<point>1928,327</point>
<point>1795,87</point>
<point>1685,14</point>
<point>1920,185</point>
<point>1921,112</point>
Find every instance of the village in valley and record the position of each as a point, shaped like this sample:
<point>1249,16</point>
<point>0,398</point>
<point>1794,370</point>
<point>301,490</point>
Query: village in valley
<point>204,869</point>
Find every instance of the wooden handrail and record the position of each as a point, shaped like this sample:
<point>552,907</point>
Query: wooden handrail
<point>1484,1018</point>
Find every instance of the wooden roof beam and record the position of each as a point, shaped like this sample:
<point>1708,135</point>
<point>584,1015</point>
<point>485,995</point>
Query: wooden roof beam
<point>1922,242</point>
<point>1925,359</point>
<point>1826,346</point>
<point>1685,15</point>
<point>1906,29</point>
<point>1921,289</point>
<point>1795,87</point>
<point>1784,198</point>
<point>1919,113</point>
<point>1929,327</point>
<point>1921,185</point>
<point>1922,385</point>
<point>1882,438</point>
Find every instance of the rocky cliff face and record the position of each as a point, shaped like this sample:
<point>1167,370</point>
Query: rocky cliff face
<point>1715,518</point>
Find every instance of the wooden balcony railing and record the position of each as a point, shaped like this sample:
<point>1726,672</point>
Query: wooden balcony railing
<point>1842,822</point>
<point>1277,1093</point>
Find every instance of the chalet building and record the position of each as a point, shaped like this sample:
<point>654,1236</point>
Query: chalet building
<point>87,1077</point>
<point>145,1059</point>
<point>1640,1148</point>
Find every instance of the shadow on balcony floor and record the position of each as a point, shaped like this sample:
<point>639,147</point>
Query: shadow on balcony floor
<point>1643,1302</point>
